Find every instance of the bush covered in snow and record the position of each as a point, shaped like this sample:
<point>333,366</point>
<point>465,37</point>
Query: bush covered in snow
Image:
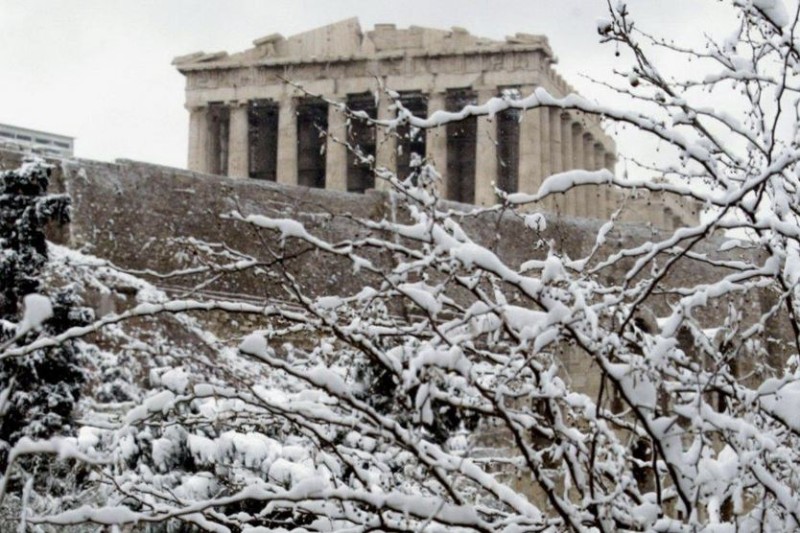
<point>44,385</point>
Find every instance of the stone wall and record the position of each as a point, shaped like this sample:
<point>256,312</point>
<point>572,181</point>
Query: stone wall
<point>134,214</point>
<point>140,216</point>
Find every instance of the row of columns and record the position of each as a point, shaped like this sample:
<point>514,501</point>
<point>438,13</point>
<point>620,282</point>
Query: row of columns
<point>556,141</point>
<point>551,141</point>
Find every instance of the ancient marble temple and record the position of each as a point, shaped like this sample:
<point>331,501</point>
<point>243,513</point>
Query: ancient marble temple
<point>249,116</point>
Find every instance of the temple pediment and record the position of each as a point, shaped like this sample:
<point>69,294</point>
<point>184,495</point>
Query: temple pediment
<point>346,40</point>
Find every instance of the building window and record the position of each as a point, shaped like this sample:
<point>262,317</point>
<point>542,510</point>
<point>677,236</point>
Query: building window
<point>411,142</point>
<point>218,130</point>
<point>508,145</point>
<point>361,137</point>
<point>262,123</point>
<point>312,124</point>
<point>461,145</point>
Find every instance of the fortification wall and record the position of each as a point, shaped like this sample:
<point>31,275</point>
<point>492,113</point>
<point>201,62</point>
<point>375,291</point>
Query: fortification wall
<point>141,216</point>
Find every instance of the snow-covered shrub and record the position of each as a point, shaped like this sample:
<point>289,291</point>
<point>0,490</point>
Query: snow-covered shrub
<point>45,384</point>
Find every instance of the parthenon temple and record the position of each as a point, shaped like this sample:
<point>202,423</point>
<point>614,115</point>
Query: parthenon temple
<point>252,114</point>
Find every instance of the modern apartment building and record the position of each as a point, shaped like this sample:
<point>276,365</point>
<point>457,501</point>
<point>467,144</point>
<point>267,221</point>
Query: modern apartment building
<point>40,142</point>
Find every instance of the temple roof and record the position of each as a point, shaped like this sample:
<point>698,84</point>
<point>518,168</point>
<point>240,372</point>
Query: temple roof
<point>344,40</point>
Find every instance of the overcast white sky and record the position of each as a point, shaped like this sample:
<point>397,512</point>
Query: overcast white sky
<point>100,70</point>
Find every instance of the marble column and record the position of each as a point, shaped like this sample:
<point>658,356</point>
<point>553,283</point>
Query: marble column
<point>610,161</point>
<point>385,144</point>
<point>336,150</point>
<point>613,196</point>
<point>486,155</point>
<point>238,148</point>
<point>577,146</point>
<point>599,156</point>
<point>211,146</point>
<point>530,150</point>
<point>287,142</point>
<point>556,141</point>
<point>555,203</point>
<point>436,143</point>
<point>547,168</point>
<point>570,207</point>
<point>578,163</point>
<point>603,210</point>
<point>588,151</point>
<point>198,138</point>
<point>590,191</point>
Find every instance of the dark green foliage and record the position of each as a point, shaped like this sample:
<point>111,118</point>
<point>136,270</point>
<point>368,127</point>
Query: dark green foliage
<point>381,392</point>
<point>45,383</point>
<point>25,209</point>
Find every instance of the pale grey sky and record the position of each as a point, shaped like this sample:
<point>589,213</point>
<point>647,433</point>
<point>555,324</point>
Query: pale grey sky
<point>100,70</point>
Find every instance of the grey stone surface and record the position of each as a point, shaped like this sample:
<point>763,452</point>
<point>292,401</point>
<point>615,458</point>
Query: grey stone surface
<point>136,216</point>
<point>132,213</point>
